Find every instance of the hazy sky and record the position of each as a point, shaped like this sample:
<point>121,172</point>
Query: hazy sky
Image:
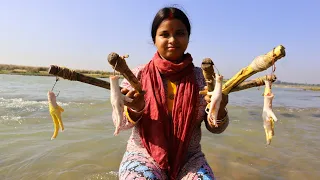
<point>80,34</point>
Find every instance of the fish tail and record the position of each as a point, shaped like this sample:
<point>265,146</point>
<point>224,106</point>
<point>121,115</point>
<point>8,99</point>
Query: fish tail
<point>269,132</point>
<point>60,121</point>
<point>272,125</point>
<point>56,127</point>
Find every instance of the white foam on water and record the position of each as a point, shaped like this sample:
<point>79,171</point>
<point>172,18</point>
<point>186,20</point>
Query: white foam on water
<point>10,118</point>
<point>15,110</point>
<point>26,105</point>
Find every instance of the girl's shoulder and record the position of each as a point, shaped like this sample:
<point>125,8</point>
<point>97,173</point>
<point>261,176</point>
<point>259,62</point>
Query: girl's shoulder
<point>199,76</point>
<point>198,71</point>
<point>137,70</point>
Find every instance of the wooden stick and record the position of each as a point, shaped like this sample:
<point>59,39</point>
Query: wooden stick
<point>254,83</point>
<point>265,61</point>
<point>120,65</point>
<point>208,73</point>
<point>75,76</point>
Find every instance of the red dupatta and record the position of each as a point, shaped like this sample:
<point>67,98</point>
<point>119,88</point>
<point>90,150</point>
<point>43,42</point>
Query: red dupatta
<point>166,136</point>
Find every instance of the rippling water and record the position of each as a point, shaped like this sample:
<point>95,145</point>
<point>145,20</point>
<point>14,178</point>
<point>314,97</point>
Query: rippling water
<point>87,148</point>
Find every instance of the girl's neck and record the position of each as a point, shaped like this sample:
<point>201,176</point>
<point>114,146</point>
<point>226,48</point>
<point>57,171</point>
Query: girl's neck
<point>177,61</point>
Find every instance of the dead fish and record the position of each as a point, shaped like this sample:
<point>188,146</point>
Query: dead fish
<point>216,97</point>
<point>117,101</point>
<point>55,112</point>
<point>267,114</point>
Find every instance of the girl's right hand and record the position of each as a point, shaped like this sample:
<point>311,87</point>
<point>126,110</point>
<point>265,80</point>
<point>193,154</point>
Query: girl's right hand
<point>137,103</point>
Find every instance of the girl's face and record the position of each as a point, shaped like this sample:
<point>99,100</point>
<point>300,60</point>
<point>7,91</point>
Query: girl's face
<point>171,39</point>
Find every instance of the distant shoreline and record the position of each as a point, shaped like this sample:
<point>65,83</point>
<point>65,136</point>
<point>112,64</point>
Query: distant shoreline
<point>47,74</point>
<point>302,87</point>
<point>43,71</point>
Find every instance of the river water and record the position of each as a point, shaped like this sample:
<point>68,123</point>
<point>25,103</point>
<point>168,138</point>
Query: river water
<point>87,148</point>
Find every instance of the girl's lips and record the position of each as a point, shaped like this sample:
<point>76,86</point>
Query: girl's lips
<point>172,48</point>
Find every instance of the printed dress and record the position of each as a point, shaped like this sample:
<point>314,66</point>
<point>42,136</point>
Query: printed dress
<point>138,164</point>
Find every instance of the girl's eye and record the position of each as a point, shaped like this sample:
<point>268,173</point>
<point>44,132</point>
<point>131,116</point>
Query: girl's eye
<point>180,33</point>
<point>165,35</point>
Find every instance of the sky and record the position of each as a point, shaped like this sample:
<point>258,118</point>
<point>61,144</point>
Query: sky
<point>80,34</point>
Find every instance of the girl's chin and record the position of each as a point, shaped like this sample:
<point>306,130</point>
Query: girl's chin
<point>173,56</point>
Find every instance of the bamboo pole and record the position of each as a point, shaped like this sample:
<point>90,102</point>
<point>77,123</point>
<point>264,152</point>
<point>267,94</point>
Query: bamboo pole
<point>75,76</point>
<point>232,85</point>
<point>254,83</point>
<point>259,64</point>
<point>118,63</point>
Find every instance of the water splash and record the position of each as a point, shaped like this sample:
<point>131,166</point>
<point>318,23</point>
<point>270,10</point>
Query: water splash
<point>25,105</point>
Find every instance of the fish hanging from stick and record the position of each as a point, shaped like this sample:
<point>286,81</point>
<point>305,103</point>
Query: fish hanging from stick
<point>213,91</point>
<point>234,84</point>
<point>216,97</point>
<point>267,114</point>
<point>55,112</point>
<point>117,100</point>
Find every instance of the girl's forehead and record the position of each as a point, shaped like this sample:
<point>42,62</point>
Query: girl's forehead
<point>171,25</point>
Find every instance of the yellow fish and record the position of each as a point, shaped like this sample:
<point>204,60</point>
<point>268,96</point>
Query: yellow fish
<point>267,114</point>
<point>55,112</point>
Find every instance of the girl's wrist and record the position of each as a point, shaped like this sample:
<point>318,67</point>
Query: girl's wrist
<point>223,112</point>
<point>132,116</point>
<point>136,111</point>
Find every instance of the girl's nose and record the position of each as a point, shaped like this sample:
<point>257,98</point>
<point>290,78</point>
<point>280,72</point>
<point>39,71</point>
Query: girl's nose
<point>172,39</point>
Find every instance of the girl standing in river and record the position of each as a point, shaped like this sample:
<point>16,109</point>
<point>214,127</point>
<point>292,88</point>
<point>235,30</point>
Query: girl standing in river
<point>166,120</point>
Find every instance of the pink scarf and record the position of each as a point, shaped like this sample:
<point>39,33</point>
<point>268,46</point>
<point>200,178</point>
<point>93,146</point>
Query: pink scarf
<point>166,137</point>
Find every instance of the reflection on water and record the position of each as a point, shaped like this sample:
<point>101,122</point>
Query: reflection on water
<point>289,115</point>
<point>315,115</point>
